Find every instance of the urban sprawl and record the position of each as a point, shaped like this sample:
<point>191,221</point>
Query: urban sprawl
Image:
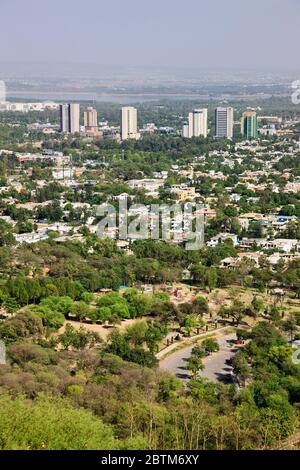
<point>137,342</point>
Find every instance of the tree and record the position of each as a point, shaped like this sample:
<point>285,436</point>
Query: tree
<point>154,334</point>
<point>120,309</point>
<point>117,304</point>
<point>237,311</point>
<point>230,211</point>
<point>87,297</point>
<point>7,302</point>
<point>80,310</point>
<point>257,305</point>
<point>110,299</point>
<point>130,345</point>
<point>190,323</point>
<point>198,351</point>
<point>167,313</point>
<point>274,315</point>
<point>290,326</point>
<point>139,304</point>
<point>266,335</point>
<point>50,318</point>
<point>241,367</point>
<point>52,424</point>
<point>136,333</point>
<point>169,387</point>
<point>161,297</point>
<point>78,339</point>
<point>22,353</point>
<point>62,305</point>
<point>211,278</point>
<point>194,364</point>
<point>200,306</point>
<point>297,318</point>
<point>280,354</point>
<point>102,314</point>
<point>22,325</point>
<point>6,237</point>
<point>114,319</point>
<point>210,345</point>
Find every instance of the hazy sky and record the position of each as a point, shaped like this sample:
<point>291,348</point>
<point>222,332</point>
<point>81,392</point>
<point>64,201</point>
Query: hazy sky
<point>184,33</point>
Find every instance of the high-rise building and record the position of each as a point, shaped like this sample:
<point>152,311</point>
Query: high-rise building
<point>74,117</point>
<point>129,123</point>
<point>64,118</point>
<point>185,131</point>
<point>90,118</point>
<point>70,118</point>
<point>224,123</point>
<point>249,125</point>
<point>198,123</point>
<point>2,92</point>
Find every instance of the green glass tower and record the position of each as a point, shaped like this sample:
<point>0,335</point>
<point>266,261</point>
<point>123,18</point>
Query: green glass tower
<point>249,125</point>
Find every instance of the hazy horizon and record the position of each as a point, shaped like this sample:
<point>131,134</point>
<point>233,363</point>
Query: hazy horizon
<point>195,35</point>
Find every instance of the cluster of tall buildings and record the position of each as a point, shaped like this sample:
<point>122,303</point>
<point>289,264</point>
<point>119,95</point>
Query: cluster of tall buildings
<point>70,121</point>
<point>224,121</point>
<point>197,122</point>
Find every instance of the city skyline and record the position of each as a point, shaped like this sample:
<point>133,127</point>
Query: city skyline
<point>128,127</point>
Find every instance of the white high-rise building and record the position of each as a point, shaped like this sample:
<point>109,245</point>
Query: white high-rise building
<point>198,123</point>
<point>74,118</point>
<point>2,92</point>
<point>224,123</point>
<point>129,123</point>
<point>70,118</point>
<point>185,131</point>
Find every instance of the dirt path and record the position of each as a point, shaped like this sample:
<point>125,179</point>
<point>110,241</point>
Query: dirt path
<point>103,331</point>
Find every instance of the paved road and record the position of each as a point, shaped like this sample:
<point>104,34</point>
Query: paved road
<point>166,351</point>
<point>215,369</point>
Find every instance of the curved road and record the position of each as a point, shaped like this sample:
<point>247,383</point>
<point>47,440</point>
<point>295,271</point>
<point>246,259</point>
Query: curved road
<point>216,369</point>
